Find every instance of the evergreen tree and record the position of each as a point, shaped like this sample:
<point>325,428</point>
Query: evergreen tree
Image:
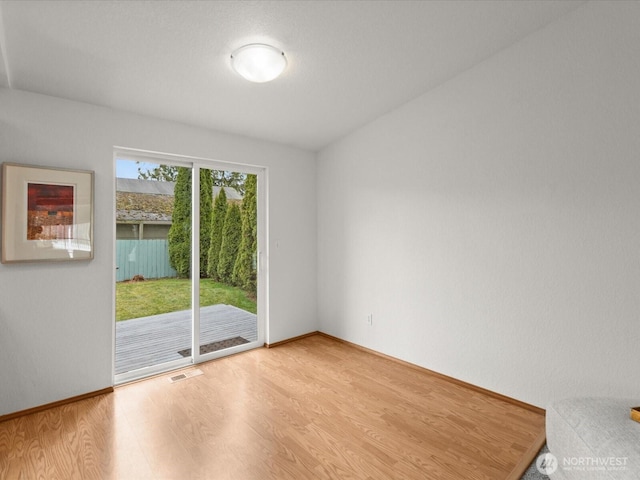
<point>244,270</point>
<point>230,242</point>
<point>161,173</point>
<point>206,200</point>
<point>217,225</point>
<point>180,231</point>
<point>235,180</point>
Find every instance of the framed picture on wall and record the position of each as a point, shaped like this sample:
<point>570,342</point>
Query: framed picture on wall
<point>47,214</point>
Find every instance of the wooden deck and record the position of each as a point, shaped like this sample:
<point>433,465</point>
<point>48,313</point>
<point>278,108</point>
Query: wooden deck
<point>147,341</point>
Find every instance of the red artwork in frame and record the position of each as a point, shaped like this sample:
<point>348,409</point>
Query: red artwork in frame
<point>49,211</point>
<point>47,214</point>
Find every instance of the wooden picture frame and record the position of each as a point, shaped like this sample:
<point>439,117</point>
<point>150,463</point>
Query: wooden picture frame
<point>47,214</point>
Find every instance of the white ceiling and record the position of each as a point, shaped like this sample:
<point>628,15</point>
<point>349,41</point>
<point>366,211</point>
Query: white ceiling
<point>349,61</point>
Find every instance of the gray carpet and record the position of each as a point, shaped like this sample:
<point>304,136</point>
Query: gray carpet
<point>532,472</point>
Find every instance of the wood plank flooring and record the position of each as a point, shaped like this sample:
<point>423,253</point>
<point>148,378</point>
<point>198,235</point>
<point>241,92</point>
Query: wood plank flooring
<point>315,408</point>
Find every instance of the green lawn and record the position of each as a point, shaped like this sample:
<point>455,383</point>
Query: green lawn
<point>152,297</point>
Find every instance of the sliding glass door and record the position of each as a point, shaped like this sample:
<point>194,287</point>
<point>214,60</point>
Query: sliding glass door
<point>181,301</point>
<point>227,317</point>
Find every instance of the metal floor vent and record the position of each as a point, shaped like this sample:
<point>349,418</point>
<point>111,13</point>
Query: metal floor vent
<point>184,375</point>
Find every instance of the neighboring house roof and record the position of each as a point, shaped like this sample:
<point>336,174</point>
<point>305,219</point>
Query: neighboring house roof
<point>154,187</point>
<point>151,200</point>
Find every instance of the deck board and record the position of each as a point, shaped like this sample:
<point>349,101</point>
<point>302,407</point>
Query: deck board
<point>146,341</point>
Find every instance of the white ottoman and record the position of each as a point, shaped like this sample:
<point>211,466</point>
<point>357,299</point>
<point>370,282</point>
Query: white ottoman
<point>594,439</point>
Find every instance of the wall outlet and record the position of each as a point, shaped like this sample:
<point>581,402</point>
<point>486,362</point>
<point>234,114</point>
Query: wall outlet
<point>370,319</point>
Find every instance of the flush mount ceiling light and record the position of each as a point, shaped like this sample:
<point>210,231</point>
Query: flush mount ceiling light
<point>258,62</point>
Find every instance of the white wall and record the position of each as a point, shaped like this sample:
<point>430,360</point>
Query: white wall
<point>492,226</point>
<point>56,320</point>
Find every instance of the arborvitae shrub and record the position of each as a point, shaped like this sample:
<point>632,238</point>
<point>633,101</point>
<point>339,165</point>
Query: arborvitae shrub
<point>244,270</point>
<point>217,225</point>
<point>180,231</point>
<point>206,200</point>
<point>230,242</point>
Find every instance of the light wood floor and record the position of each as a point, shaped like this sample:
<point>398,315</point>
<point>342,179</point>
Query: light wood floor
<point>313,408</point>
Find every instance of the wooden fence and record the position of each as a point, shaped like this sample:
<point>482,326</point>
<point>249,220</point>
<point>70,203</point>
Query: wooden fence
<point>149,258</point>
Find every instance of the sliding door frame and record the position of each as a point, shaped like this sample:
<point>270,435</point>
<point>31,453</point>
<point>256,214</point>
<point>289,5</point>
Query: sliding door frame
<point>195,164</point>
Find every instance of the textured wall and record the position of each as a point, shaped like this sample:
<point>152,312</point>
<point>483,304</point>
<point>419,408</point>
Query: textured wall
<point>491,226</point>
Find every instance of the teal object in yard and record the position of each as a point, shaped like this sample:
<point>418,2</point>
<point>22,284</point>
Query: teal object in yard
<point>149,258</point>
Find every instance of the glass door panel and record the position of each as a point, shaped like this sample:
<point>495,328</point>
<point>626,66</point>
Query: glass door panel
<point>228,280</point>
<point>153,263</point>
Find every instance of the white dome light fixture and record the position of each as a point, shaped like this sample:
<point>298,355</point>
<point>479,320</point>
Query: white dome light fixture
<point>258,62</point>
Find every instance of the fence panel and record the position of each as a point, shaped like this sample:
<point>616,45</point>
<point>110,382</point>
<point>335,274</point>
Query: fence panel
<point>149,258</point>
